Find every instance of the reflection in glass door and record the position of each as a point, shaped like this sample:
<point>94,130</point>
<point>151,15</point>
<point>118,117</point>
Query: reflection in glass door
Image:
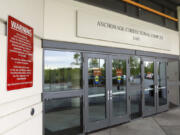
<point>105,90</point>
<point>148,85</point>
<point>154,86</point>
<point>162,100</point>
<point>118,93</point>
<point>96,91</point>
<point>135,93</point>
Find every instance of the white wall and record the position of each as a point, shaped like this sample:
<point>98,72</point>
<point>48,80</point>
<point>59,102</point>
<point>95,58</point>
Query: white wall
<point>173,80</point>
<point>29,11</point>
<point>15,106</point>
<point>60,24</point>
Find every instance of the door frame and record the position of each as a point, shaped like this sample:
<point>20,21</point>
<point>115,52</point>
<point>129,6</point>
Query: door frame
<point>59,45</point>
<point>123,118</point>
<point>166,106</point>
<point>109,121</point>
<point>135,87</point>
<point>92,126</point>
<point>144,111</point>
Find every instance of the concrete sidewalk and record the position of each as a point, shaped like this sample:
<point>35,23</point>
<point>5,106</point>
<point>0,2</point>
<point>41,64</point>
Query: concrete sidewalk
<point>167,123</point>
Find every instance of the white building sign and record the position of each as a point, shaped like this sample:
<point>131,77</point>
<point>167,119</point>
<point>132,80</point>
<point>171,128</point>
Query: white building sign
<point>124,30</point>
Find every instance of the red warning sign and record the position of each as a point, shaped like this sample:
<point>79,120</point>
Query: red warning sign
<point>20,55</point>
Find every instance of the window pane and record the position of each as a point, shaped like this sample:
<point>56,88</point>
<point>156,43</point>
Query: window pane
<point>136,103</point>
<point>135,80</point>
<point>162,73</point>
<point>149,85</point>
<point>115,5</point>
<point>169,23</point>
<point>132,10</point>
<point>135,70</point>
<point>149,16</point>
<point>119,88</point>
<point>63,70</point>
<point>97,89</point>
<point>162,89</point>
<point>63,116</point>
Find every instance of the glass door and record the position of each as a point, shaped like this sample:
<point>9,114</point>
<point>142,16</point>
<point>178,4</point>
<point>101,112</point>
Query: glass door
<point>135,90</point>
<point>148,86</point>
<point>96,91</point>
<point>106,92</point>
<point>119,111</point>
<point>162,92</point>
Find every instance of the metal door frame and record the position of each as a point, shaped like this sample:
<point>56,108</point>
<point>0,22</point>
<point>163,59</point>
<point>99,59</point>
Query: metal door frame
<point>144,111</point>
<point>67,46</point>
<point>47,96</point>
<point>136,86</point>
<point>166,106</point>
<point>124,118</point>
<point>92,126</point>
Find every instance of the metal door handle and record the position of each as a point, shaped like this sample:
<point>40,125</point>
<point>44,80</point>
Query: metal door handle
<point>156,89</point>
<point>108,95</point>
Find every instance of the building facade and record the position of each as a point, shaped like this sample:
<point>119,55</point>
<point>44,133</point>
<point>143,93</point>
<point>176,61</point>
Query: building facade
<point>94,66</point>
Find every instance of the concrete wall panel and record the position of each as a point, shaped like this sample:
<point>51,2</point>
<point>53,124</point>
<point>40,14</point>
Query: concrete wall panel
<point>60,25</point>
<point>28,11</point>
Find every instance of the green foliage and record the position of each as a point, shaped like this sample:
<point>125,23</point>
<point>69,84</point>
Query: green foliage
<point>119,64</point>
<point>62,75</point>
<point>149,68</point>
<point>94,63</point>
<point>77,58</point>
<point>135,66</point>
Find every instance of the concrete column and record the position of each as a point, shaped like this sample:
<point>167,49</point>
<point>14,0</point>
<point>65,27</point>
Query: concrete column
<point>178,15</point>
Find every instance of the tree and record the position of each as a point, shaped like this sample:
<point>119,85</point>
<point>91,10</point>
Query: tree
<point>77,59</point>
<point>149,68</point>
<point>119,64</point>
<point>94,63</point>
<point>135,66</point>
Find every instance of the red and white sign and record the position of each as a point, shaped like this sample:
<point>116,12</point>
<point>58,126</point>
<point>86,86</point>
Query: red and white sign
<point>20,55</point>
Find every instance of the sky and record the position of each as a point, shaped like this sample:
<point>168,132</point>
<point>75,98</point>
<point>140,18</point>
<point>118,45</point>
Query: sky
<point>59,59</point>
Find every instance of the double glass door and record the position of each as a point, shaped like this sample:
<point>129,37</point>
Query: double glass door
<point>106,101</point>
<point>154,86</point>
<point>119,88</point>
